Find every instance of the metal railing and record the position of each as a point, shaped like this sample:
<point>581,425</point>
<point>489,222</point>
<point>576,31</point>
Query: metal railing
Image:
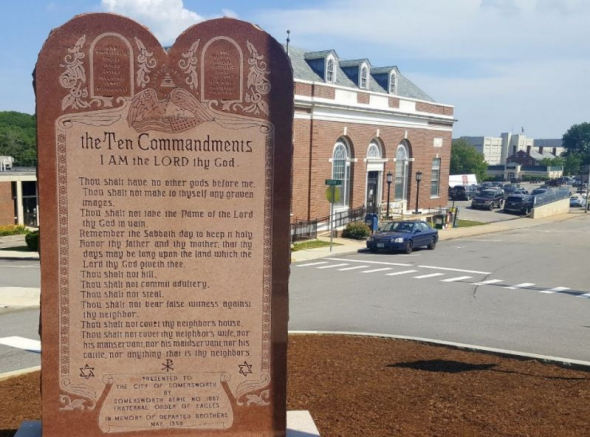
<point>550,196</point>
<point>308,229</point>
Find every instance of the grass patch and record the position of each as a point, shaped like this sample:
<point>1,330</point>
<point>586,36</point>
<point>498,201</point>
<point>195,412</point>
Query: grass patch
<point>311,244</point>
<point>468,223</point>
<point>18,249</point>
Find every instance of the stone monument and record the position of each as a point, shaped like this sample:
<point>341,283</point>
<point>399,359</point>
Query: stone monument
<point>165,189</point>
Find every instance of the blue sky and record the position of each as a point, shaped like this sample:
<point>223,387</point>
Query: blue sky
<point>504,64</point>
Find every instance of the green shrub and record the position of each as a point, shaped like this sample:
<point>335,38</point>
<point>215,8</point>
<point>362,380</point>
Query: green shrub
<point>12,230</point>
<point>356,231</point>
<point>32,240</point>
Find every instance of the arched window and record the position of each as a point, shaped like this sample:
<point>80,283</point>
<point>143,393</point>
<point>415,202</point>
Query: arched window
<point>330,71</point>
<point>341,171</point>
<point>364,77</point>
<point>392,83</point>
<point>401,172</point>
<point>374,150</point>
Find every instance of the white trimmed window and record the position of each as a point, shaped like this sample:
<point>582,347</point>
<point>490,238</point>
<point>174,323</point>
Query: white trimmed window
<point>341,170</point>
<point>374,150</point>
<point>435,178</point>
<point>364,82</point>
<point>393,83</point>
<point>401,172</point>
<point>330,70</point>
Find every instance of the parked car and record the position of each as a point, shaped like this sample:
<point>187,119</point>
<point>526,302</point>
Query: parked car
<point>403,236</point>
<point>521,191</point>
<point>577,201</point>
<point>488,199</point>
<point>538,191</point>
<point>463,192</point>
<point>519,204</point>
<point>486,185</point>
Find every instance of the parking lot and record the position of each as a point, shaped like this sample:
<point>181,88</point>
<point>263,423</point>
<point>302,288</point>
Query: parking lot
<point>485,216</point>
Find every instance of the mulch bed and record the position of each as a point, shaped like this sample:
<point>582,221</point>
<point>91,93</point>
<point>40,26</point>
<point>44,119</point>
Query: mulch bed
<point>374,387</point>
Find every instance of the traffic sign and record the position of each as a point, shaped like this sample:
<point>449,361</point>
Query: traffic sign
<point>331,182</point>
<point>333,194</point>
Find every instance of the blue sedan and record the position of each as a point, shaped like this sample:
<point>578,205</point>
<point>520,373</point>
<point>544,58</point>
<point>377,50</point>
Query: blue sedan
<point>403,236</point>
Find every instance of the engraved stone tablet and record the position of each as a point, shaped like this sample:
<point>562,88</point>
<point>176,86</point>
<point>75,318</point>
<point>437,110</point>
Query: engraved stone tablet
<point>165,197</point>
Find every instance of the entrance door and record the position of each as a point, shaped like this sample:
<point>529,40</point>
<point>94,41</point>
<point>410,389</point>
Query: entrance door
<point>372,191</point>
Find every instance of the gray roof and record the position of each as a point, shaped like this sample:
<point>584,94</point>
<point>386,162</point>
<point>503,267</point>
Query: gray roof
<point>320,54</point>
<point>354,62</point>
<point>303,71</point>
<point>538,156</point>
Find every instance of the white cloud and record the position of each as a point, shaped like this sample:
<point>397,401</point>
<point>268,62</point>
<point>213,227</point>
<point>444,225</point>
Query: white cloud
<point>166,18</point>
<point>524,59</point>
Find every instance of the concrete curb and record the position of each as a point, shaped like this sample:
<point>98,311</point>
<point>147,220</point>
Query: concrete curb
<point>504,353</point>
<point>15,373</point>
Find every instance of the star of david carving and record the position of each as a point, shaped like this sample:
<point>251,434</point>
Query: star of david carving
<point>245,369</point>
<point>87,372</point>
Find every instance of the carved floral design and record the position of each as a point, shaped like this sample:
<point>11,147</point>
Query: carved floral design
<point>257,85</point>
<point>74,80</point>
<point>146,64</point>
<point>189,65</point>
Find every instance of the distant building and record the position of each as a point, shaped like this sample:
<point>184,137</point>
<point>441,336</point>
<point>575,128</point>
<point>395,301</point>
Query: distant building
<point>18,197</point>
<point>497,150</point>
<point>529,157</point>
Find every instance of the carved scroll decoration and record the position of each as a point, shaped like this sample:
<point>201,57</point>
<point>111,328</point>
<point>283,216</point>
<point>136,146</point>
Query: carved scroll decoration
<point>189,65</point>
<point>257,85</point>
<point>74,80</point>
<point>146,63</point>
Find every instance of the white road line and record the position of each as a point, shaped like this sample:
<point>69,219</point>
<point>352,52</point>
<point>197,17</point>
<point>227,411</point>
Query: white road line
<point>554,290</point>
<point>458,278</point>
<point>377,270</point>
<point>455,270</point>
<point>587,295</point>
<point>332,266</point>
<point>489,282</point>
<point>22,343</point>
<point>351,268</point>
<point>430,275</point>
<point>517,286</point>
<point>311,264</point>
<point>401,273</point>
<point>369,262</point>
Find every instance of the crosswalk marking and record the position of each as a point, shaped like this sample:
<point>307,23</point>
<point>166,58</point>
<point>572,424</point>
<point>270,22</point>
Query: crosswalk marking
<point>517,286</point>
<point>430,275</point>
<point>332,266</point>
<point>312,264</point>
<point>587,295</point>
<point>351,268</point>
<point>554,290</point>
<point>458,278</point>
<point>488,282</point>
<point>364,261</point>
<point>401,273</point>
<point>22,343</point>
<point>377,270</point>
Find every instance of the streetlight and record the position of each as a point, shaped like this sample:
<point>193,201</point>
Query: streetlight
<point>418,179</point>
<point>389,181</point>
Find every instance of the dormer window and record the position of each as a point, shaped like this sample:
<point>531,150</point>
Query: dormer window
<point>392,83</point>
<point>364,80</point>
<point>330,70</point>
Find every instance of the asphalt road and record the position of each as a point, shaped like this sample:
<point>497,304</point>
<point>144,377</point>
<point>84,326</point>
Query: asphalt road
<point>524,290</point>
<point>536,300</point>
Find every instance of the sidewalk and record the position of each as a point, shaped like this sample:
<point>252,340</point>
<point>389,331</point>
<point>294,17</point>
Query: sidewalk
<point>354,246</point>
<point>13,241</point>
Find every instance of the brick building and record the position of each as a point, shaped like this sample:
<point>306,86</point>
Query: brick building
<point>357,123</point>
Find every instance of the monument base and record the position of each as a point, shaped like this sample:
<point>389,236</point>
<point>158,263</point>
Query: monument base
<point>299,424</point>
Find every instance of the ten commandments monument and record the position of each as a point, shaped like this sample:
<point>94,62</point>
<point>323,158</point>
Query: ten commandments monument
<point>165,198</point>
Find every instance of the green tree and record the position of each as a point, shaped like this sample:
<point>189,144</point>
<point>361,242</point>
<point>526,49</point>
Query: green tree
<point>572,164</point>
<point>465,159</point>
<point>576,141</point>
<point>557,161</point>
<point>18,137</point>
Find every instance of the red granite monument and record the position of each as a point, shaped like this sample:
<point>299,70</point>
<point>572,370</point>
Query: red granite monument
<point>164,198</point>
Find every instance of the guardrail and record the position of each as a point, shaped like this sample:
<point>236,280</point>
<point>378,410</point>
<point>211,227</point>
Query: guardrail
<point>308,229</point>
